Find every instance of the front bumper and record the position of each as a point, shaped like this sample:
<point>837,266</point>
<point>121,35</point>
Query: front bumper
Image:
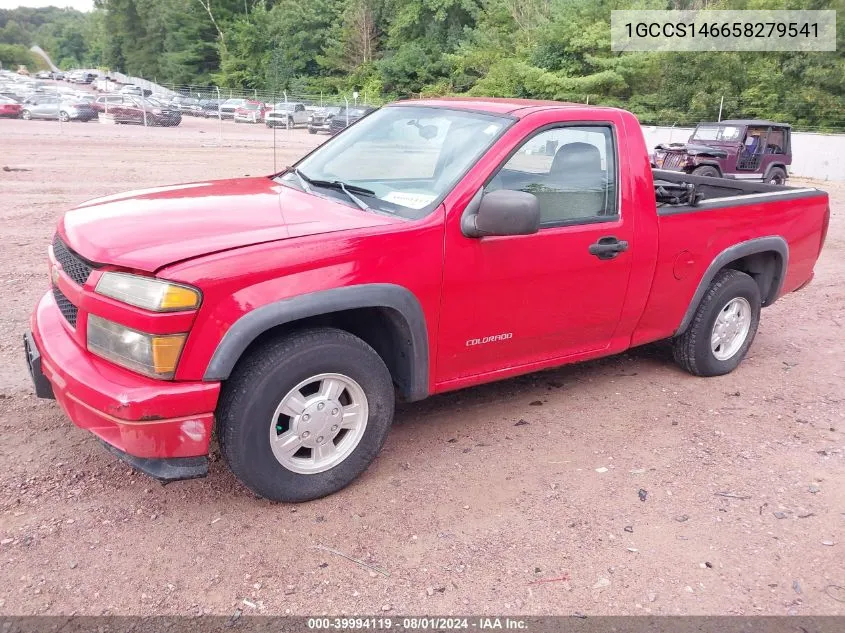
<point>144,418</point>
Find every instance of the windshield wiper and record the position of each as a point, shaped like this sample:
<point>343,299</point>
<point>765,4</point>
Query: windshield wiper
<point>303,180</point>
<point>337,184</point>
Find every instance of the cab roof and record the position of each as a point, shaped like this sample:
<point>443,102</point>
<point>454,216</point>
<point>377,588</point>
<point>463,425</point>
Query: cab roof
<point>494,105</point>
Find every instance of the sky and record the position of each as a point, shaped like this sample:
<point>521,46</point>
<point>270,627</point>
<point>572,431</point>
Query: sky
<point>82,5</point>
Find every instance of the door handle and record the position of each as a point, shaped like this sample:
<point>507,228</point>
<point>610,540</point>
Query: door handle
<point>608,247</point>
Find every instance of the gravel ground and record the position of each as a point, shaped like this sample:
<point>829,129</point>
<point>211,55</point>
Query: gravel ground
<point>622,486</point>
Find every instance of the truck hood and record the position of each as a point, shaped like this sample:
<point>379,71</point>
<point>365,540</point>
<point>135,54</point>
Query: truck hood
<point>151,228</point>
<point>693,149</point>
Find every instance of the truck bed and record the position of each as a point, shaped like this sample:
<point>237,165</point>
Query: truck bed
<point>677,192</point>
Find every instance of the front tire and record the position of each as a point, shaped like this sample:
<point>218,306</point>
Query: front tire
<point>287,416</point>
<point>64,117</point>
<point>723,327</point>
<point>26,115</point>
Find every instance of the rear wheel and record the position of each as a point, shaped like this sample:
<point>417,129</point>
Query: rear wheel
<point>777,176</point>
<point>706,170</point>
<point>722,328</point>
<point>63,117</point>
<point>304,415</point>
<point>311,130</point>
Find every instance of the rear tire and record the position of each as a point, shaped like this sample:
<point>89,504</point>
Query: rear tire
<point>63,117</point>
<point>717,340</point>
<point>706,170</point>
<point>251,414</point>
<point>311,130</point>
<point>777,176</point>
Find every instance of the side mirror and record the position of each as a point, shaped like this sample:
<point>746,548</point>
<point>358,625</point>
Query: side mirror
<point>501,212</point>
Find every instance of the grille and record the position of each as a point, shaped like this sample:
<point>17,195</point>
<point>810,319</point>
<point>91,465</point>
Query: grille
<point>74,266</point>
<point>673,160</point>
<point>68,310</point>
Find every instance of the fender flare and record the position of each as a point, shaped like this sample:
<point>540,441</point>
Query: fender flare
<point>773,243</point>
<point>391,296</point>
<point>772,166</point>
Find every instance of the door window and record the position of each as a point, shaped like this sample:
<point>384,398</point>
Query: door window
<point>571,170</point>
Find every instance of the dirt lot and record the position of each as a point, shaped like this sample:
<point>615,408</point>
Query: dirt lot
<point>484,501</point>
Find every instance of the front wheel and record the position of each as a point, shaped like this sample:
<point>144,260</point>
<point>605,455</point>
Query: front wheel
<point>723,327</point>
<point>706,170</point>
<point>304,415</point>
<point>26,115</point>
<point>63,117</point>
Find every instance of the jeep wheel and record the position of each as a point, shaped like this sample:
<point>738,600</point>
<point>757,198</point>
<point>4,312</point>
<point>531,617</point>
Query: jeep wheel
<point>304,415</point>
<point>722,328</point>
<point>706,170</point>
<point>777,176</point>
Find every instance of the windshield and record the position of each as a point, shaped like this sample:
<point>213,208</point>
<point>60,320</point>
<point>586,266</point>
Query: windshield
<point>723,133</point>
<point>402,156</point>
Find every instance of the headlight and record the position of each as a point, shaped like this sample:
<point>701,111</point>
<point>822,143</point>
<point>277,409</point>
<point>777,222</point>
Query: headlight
<point>153,355</point>
<point>148,292</point>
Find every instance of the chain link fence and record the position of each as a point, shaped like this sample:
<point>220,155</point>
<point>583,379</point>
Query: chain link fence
<point>280,125</point>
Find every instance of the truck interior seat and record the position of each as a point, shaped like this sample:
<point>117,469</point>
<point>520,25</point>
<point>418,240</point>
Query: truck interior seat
<point>577,173</point>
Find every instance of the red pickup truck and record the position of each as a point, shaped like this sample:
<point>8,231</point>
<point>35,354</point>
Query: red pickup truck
<point>431,246</point>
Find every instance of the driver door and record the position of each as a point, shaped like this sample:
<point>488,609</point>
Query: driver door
<point>516,301</point>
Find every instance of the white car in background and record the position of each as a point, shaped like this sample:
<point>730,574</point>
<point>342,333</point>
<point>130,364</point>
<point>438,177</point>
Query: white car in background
<point>287,114</point>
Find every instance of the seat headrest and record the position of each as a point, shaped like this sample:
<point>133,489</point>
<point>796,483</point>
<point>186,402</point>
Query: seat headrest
<point>579,158</point>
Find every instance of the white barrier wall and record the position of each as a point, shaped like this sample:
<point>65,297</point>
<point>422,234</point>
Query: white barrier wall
<point>819,156</point>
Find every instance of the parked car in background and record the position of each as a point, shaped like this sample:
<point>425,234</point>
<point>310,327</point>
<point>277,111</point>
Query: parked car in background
<point>81,77</point>
<point>320,119</point>
<point>187,105</point>
<point>57,108</point>
<point>131,89</point>
<point>287,114</point>
<point>104,103</point>
<point>10,108</point>
<point>145,111</point>
<point>59,76</point>
<point>209,107</point>
<point>745,149</point>
<point>228,107</point>
<point>43,74</point>
<point>250,112</point>
<point>348,116</point>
